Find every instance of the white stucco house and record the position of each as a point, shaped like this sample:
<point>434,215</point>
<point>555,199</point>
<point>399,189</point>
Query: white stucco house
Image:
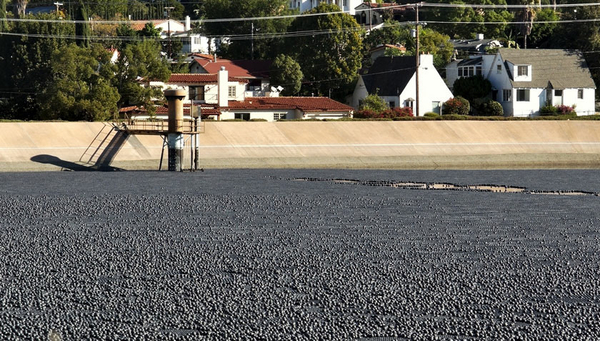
<point>221,97</point>
<point>346,6</point>
<point>394,79</point>
<point>524,81</point>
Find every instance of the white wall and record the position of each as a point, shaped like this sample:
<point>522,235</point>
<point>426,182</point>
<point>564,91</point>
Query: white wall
<point>306,5</point>
<point>257,114</point>
<point>432,88</point>
<point>583,106</point>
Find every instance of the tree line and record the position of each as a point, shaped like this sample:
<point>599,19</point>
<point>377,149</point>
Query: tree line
<point>62,70</point>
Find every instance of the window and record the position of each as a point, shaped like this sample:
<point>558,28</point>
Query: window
<point>478,71</point>
<point>392,104</point>
<point>345,3</point>
<point>580,93</point>
<point>523,95</point>
<point>499,68</point>
<point>232,91</point>
<point>197,93</point>
<point>243,116</point>
<point>279,116</point>
<point>507,95</point>
<point>522,70</point>
<point>558,93</point>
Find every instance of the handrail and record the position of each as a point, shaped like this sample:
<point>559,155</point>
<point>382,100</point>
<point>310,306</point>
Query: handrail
<point>160,126</point>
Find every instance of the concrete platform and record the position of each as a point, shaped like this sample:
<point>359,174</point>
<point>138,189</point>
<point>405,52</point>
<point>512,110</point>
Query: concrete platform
<point>391,145</point>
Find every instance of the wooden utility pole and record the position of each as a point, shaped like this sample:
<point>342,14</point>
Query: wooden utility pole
<point>417,61</point>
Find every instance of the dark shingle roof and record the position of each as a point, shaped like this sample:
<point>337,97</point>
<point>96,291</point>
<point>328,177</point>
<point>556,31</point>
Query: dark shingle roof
<point>390,75</point>
<point>558,68</point>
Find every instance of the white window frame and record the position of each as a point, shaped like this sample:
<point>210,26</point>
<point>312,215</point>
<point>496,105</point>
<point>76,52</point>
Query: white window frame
<point>507,95</point>
<point>279,116</point>
<point>231,91</point>
<point>523,95</point>
<point>522,70</point>
<point>580,93</point>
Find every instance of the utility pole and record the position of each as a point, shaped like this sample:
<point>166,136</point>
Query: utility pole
<point>57,4</point>
<point>168,9</point>
<point>417,61</point>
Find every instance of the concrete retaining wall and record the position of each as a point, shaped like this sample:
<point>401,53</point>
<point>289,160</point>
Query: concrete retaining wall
<point>419,144</point>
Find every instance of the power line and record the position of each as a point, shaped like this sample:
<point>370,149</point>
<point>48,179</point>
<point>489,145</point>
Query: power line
<point>308,15</point>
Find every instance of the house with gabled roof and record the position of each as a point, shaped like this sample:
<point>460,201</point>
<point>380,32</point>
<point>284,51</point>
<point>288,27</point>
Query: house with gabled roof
<point>524,81</point>
<point>394,80</point>
<point>477,46</point>
<point>220,96</point>
<point>255,72</point>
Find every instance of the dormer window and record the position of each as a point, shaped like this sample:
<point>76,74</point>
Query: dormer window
<point>523,71</point>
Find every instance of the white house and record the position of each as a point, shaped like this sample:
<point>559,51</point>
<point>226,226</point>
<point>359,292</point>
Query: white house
<point>181,31</point>
<point>346,6</point>
<point>524,81</point>
<point>222,97</point>
<point>255,72</point>
<point>394,79</point>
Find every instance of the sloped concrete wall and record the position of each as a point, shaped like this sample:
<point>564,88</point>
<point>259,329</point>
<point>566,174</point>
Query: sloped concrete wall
<point>418,144</point>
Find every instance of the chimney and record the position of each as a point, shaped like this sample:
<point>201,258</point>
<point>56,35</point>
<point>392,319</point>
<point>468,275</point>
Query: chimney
<point>223,87</point>
<point>188,23</point>
<point>479,36</point>
<point>426,60</point>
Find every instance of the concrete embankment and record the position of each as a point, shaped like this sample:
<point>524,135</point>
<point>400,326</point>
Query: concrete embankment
<point>401,145</point>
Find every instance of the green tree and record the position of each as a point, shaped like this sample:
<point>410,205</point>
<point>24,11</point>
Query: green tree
<point>149,31</point>
<point>374,102</point>
<point>249,39</point>
<point>477,16</point>
<point>108,9</point>
<point>25,62</point>
<point>286,72</point>
<point>83,29</point>
<point>137,63</point>
<point>81,88</point>
<point>435,43</point>
<point>331,57</point>
<point>3,22</point>
<point>472,87</point>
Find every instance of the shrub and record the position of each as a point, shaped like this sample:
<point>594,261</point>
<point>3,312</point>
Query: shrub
<point>455,117</point>
<point>565,110</point>
<point>559,110</point>
<point>402,112</point>
<point>365,114</point>
<point>431,114</point>
<point>456,106</point>
<point>488,107</point>
<point>385,114</point>
<point>548,110</point>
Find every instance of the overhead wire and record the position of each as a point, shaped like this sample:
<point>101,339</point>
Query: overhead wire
<point>308,32</point>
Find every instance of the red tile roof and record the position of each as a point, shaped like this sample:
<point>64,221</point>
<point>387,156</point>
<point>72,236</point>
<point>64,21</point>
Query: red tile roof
<point>306,104</point>
<point>206,78</point>
<point>237,68</point>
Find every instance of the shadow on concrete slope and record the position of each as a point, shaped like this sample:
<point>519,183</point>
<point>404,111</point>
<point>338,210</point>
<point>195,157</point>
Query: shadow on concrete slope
<point>68,165</point>
<point>110,152</point>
